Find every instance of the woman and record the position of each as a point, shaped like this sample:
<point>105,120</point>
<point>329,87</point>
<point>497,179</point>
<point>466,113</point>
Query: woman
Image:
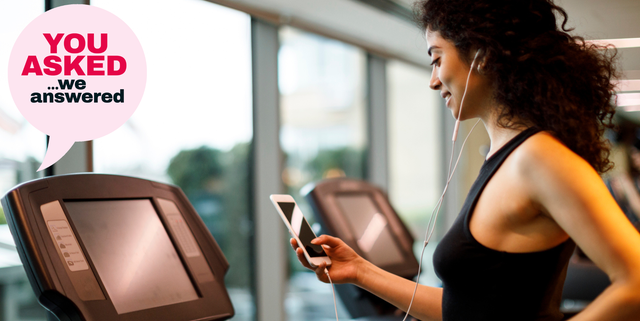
<point>545,99</point>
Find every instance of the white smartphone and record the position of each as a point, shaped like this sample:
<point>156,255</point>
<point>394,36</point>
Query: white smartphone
<point>299,229</point>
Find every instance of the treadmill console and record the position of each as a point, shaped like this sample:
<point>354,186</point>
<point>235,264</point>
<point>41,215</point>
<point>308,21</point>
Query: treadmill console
<point>360,214</point>
<point>107,247</point>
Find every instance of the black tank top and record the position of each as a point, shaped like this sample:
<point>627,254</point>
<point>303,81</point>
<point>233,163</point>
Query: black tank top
<point>480,283</point>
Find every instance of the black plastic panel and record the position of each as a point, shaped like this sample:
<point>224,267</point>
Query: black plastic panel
<point>71,295</point>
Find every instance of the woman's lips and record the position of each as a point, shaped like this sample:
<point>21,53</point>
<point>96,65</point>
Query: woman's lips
<point>447,98</point>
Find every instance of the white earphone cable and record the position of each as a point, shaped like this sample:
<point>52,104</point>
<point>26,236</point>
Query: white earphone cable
<point>335,304</point>
<point>431,225</point>
<point>436,211</point>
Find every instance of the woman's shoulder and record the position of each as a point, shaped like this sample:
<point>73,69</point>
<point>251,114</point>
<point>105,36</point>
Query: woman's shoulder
<point>552,175</point>
<point>543,154</point>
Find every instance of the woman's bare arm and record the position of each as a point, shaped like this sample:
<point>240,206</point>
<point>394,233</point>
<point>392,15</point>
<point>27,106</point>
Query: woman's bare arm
<point>396,290</point>
<point>574,195</point>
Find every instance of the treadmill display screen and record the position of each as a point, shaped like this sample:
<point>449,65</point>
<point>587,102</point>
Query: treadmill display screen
<point>132,253</point>
<point>370,228</point>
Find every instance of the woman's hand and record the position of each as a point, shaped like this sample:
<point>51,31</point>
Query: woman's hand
<point>345,262</point>
<point>349,267</point>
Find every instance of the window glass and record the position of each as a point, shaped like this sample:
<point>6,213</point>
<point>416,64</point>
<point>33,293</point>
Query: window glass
<point>22,148</point>
<point>193,127</point>
<point>415,169</point>
<point>323,135</point>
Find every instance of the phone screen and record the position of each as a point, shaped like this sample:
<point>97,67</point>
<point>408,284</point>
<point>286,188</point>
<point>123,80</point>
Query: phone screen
<point>301,228</point>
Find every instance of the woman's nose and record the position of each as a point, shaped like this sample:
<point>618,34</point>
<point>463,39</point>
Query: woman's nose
<point>434,83</point>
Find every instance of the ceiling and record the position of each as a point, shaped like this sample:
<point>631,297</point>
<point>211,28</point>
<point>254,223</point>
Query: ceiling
<point>357,22</point>
<point>346,20</point>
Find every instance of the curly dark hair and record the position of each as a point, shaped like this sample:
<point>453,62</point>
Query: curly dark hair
<point>541,75</point>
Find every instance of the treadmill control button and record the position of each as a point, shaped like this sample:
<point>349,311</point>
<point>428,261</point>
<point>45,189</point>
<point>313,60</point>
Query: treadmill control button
<point>70,251</point>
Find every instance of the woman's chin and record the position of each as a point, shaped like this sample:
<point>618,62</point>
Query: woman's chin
<point>454,113</point>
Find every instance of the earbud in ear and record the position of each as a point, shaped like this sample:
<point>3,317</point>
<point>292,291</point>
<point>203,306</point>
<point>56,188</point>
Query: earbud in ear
<point>479,63</point>
<point>479,69</point>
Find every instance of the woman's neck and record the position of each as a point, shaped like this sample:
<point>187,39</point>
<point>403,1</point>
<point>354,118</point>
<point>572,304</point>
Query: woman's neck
<point>499,135</point>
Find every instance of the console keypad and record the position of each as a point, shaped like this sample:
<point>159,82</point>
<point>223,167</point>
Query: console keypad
<point>68,245</point>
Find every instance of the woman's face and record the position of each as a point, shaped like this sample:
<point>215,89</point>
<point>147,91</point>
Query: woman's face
<point>449,76</point>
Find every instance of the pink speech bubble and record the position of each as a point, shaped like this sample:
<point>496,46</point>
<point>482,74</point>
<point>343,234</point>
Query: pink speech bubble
<point>76,73</point>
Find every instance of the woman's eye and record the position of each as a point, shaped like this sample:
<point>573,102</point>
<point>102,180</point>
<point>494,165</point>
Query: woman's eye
<point>435,61</point>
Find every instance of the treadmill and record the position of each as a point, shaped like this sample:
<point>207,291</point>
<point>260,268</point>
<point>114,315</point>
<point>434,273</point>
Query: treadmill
<point>106,247</point>
<point>360,214</point>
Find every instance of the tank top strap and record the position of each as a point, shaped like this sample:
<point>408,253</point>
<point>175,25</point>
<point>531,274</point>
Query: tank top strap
<point>489,167</point>
<point>495,160</point>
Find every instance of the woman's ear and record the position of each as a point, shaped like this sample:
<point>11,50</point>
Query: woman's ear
<point>480,60</point>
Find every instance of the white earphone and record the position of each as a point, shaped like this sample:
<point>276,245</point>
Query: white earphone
<point>457,126</point>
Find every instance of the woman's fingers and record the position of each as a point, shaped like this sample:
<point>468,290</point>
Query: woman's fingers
<point>328,240</point>
<point>320,271</point>
<point>302,258</point>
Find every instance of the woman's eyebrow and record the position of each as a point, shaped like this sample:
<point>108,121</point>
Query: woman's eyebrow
<point>432,47</point>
